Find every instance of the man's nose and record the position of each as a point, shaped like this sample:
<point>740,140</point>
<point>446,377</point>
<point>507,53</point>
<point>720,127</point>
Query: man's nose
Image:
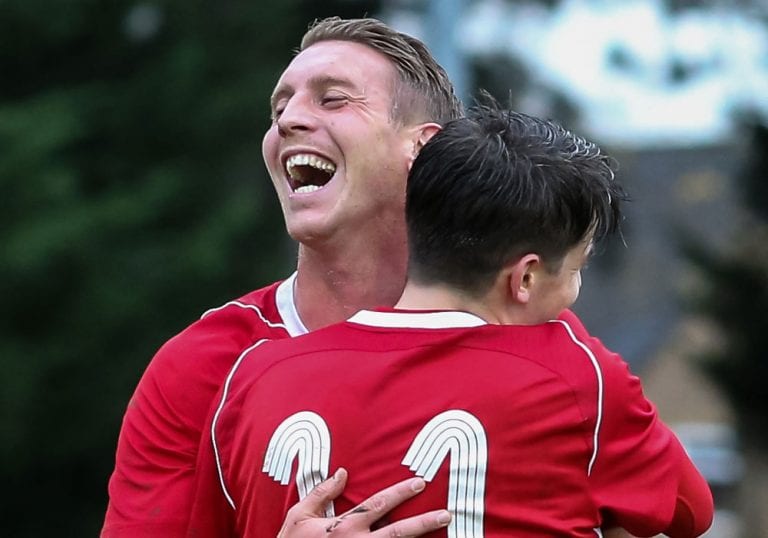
<point>297,116</point>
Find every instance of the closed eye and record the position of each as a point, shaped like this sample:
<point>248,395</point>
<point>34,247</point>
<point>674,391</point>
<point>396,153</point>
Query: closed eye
<point>277,110</point>
<point>333,101</point>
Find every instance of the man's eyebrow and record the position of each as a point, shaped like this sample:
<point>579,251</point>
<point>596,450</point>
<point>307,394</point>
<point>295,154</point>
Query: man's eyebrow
<point>323,81</point>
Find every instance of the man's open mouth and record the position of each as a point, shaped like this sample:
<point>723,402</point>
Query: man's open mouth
<point>308,173</point>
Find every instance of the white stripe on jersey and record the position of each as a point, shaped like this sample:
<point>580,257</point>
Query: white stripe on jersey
<point>599,374</point>
<point>224,395</point>
<point>247,307</point>
<point>286,308</point>
<point>449,319</point>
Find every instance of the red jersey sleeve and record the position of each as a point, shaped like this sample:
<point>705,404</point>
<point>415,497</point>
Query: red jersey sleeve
<point>151,488</point>
<point>642,479</point>
<point>694,508</point>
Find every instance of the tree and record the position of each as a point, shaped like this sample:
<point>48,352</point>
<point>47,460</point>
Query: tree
<point>134,197</point>
<point>734,296</point>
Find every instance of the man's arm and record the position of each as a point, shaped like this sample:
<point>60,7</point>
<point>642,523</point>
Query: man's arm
<point>151,488</point>
<point>646,480</point>
<point>306,520</point>
<point>694,508</point>
<point>642,478</point>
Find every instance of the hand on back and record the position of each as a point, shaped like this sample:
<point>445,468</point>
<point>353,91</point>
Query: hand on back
<point>305,519</point>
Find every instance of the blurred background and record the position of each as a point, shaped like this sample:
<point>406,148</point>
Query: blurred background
<point>134,198</point>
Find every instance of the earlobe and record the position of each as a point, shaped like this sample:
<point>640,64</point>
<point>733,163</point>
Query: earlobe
<point>523,278</point>
<point>522,294</point>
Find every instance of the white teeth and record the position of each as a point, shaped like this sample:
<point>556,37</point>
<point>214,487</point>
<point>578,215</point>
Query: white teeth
<point>304,159</point>
<point>307,188</point>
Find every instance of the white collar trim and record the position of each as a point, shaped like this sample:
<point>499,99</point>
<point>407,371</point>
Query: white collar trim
<point>286,306</point>
<point>418,320</point>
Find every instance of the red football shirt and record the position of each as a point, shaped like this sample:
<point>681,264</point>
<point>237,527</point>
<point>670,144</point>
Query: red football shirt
<point>151,488</point>
<point>520,431</point>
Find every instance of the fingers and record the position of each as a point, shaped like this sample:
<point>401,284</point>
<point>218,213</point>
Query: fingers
<point>318,498</point>
<point>373,508</point>
<point>416,525</point>
<point>305,519</point>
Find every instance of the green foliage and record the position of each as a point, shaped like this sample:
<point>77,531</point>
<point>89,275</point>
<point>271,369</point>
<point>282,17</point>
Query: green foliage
<point>734,295</point>
<point>134,197</point>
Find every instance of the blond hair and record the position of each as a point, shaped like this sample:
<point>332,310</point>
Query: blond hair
<point>422,91</point>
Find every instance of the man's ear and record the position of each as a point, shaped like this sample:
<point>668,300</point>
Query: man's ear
<point>422,134</point>
<point>522,277</point>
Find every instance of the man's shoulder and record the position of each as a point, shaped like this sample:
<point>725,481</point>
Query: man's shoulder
<point>267,353</point>
<point>223,333</point>
<point>603,357</point>
<point>260,304</point>
<point>557,338</point>
<point>562,347</point>
<point>255,312</point>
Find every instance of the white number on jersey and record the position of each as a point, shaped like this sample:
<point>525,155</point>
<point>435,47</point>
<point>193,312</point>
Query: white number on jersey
<point>461,434</point>
<point>305,435</point>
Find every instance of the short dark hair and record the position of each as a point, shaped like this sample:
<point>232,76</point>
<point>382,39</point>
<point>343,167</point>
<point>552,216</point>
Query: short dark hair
<point>498,184</point>
<point>423,91</point>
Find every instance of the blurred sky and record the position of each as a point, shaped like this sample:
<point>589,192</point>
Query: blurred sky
<point>639,74</point>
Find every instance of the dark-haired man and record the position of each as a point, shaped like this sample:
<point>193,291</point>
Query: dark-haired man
<point>479,379</point>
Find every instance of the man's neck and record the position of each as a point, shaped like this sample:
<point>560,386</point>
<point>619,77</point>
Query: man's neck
<point>333,284</point>
<point>494,307</point>
<point>434,297</point>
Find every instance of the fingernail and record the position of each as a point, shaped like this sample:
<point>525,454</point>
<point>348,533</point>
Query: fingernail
<point>418,484</point>
<point>337,474</point>
<point>444,517</point>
